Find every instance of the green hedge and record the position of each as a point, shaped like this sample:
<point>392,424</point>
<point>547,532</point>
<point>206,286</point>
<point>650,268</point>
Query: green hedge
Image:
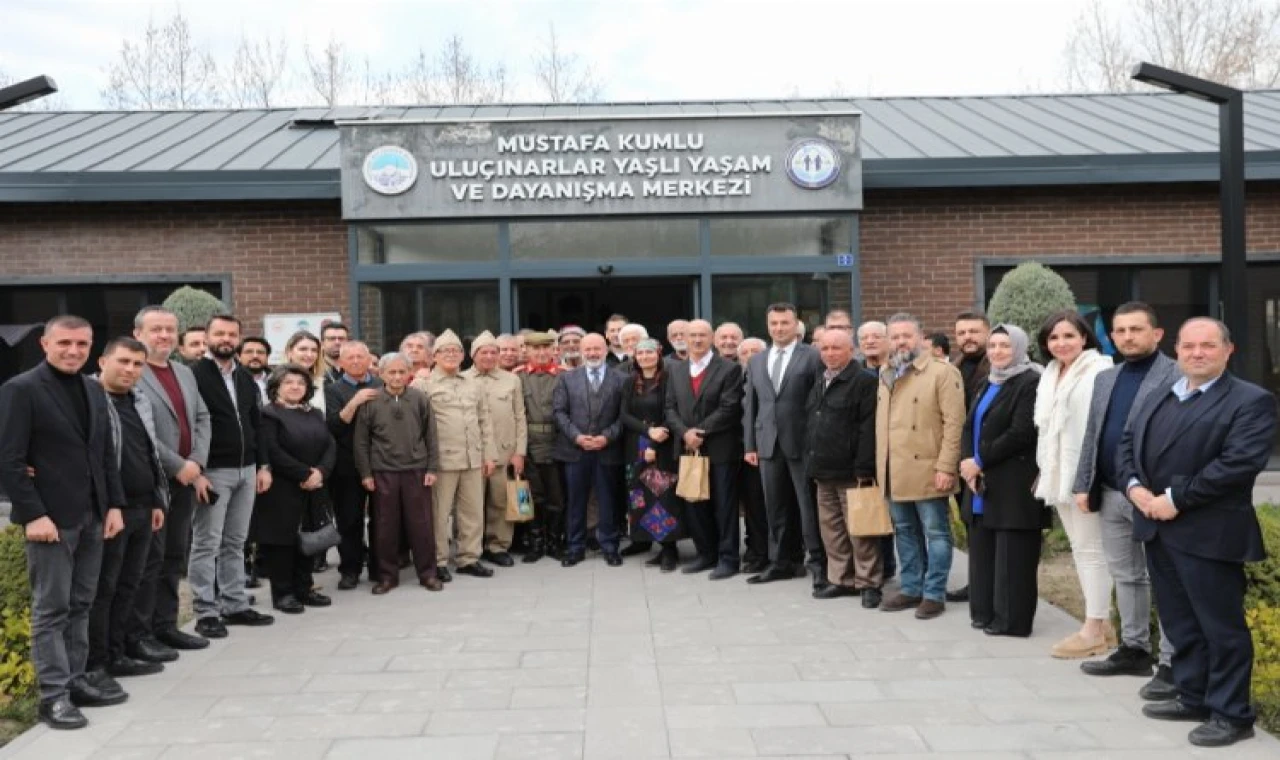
<point>17,676</point>
<point>1262,607</point>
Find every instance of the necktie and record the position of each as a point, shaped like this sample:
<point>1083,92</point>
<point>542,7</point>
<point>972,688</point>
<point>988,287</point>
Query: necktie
<point>775,372</point>
<point>595,379</point>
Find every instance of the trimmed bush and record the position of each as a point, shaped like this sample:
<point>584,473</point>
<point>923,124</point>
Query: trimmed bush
<point>194,307</point>
<point>1027,296</point>
<point>17,675</point>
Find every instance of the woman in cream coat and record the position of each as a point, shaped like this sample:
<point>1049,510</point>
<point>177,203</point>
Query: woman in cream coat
<point>1062,412</point>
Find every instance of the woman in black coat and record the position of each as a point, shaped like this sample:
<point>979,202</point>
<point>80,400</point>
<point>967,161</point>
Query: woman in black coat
<point>998,450</point>
<point>301,453</point>
<point>653,509</point>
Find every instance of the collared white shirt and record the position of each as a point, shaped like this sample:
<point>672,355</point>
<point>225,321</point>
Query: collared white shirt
<point>787,352</point>
<point>698,367</point>
<point>1181,390</point>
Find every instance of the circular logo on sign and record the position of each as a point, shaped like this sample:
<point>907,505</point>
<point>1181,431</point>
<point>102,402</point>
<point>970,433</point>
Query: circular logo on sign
<point>390,170</point>
<point>813,164</point>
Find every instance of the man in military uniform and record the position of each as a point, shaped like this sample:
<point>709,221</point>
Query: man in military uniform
<point>538,377</point>
<point>465,439</point>
<point>505,398</point>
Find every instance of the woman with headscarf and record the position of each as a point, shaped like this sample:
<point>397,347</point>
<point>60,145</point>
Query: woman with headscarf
<point>1005,519</point>
<point>653,509</point>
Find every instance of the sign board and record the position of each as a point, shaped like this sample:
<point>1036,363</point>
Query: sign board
<point>278,328</point>
<point>776,163</point>
<point>844,259</point>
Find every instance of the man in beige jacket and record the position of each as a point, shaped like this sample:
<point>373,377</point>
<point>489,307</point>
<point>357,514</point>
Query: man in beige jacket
<point>467,457</point>
<point>505,398</point>
<point>919,418</point>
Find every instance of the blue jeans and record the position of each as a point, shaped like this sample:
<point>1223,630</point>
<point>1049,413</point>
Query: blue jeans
<point>923,575</point>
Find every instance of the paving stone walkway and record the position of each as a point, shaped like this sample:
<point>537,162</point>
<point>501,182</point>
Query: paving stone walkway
<point>596,662</point>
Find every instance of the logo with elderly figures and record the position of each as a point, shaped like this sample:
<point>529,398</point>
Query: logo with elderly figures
<point>390,170</point>
<point>813,164</point>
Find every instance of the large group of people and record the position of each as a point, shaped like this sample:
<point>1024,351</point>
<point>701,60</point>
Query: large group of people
<point>188,454</point>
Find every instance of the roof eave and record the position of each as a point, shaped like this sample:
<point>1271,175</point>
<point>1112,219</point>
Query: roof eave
<point>218,185</point>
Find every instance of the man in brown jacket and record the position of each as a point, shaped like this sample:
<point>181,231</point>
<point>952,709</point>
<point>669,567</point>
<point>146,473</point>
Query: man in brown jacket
<point>919,418</point>
<point>505,398</point>
<point>467,457</point>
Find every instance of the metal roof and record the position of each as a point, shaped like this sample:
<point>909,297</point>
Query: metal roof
<point>906,143</point>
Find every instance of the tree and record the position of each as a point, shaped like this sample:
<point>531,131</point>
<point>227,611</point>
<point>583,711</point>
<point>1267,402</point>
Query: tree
<point>330,72</point>
<point>1027,296</point>
<point>463,80</point>
<point>1235,42</point>
<point>256,73</point>
<point>193,307</point>
<point>165,68</point>
<point>561,76</point>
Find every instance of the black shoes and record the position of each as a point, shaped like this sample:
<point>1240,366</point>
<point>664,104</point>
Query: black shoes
<point>172,637</point>
<point>832,591</point>
<point>1217,732</point>
<point>476,569</point>
<point>754,566</point>
<point>572,558</point>
<point>127,667</point>
<point>772,573</point>
<point>533,555</point>
<point>315,599</point>
<point>654,561</point>
<point>290,605</point>
<point>96,689</point>
<point>501,559</point>
<point>1161,687</point>
<point>979,624</point>
<point>248,616</point>
<point>636,548</point>
<point>60,714</point>
<point>1175,710</point>
<point>348,582</point>
<point>724,570</point>
<point>613,559</point>
<point>148,649</point>
<point>1125,661</point>
<point>959,595</point>
<point>211,628</point>
<point>698,565</point>
<point>871,598</point>
<point>443,574</point>
<point>669,559</point>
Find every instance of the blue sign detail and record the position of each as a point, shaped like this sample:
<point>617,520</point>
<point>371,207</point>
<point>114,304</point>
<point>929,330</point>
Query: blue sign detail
<point>844,259</point>
<point>813,164</point>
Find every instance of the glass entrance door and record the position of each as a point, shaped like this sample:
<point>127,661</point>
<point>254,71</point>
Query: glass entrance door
<point>650,301</point>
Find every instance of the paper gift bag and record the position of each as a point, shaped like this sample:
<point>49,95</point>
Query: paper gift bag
<point>868,513</point>
<point>519,498</point>
<point>694,483</point>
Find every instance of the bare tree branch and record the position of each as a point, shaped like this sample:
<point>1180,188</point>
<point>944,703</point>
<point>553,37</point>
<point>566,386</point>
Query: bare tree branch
<point>165,68</point>
<point>257,72</point>
<point>329,72</point>
<point>561,76</point>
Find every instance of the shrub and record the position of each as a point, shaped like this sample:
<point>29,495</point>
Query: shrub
<point>1262,610</point>
<point>193,307</point>
<point>17,675</point>
<point>1027,296</point>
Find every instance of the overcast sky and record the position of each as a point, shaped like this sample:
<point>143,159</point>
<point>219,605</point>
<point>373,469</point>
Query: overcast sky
<point>659,50</point>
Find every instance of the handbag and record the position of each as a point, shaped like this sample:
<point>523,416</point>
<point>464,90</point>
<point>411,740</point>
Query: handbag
<point>867,513</point>
<point>694,481</point>
<point>519,498</point>
<point>318,532</point>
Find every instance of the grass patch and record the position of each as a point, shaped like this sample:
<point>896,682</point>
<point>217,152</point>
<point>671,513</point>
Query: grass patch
<point>16,716</point>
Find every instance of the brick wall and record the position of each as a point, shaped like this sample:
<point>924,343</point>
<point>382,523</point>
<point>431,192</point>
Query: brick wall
<point>282,257</point>
<point>918,247</point>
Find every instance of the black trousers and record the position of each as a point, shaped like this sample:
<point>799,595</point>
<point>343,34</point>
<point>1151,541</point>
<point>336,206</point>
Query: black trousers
<point>1201,606</point>
<point>754,517</point>
<point>548,524</point>
<point>793,517</point>
<point>287,569</point>
<point>124,560</point>
<point>349,502</point>
<point>714,523</point>
<point>1003,590</point>
<point>155,605</point>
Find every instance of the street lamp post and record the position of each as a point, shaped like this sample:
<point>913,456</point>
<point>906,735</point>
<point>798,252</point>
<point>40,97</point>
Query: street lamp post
<point>1233,286</point>
<point>18,93</point>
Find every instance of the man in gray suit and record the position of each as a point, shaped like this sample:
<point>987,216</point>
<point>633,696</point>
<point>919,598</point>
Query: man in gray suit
<point>777,388</point>
<point>588,404</point>
<point>182,441</point>
<point>1117,392</point>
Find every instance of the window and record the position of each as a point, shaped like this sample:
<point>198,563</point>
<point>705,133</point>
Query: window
<point>467,308</point>
<point>608,239</point>
<point>781,236</point>
<point>427,243</point>
<point>745,299</point>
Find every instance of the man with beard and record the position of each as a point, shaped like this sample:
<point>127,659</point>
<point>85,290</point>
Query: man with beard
<point>919,420</point>
<point>675,336</point>
<point>332,336</point>
<point>538,380</point>
<point>612,327</point>
<point>419,349</point>
<point>253,353</point>
<point>630,334</point>
<point>727,339</point>
<point>238,470</point>
<point>972,330</point>
<point>191,345</point>
<point>570,342</point>
<point>509,352</point>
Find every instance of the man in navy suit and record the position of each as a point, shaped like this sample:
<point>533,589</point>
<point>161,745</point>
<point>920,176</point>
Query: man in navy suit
<point>588,402</point>
<point>1190,459</point>
<point>58,465</point>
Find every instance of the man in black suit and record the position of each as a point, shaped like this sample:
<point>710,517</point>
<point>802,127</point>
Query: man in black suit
<point>588,405</point>
<point>58,466</point>
<point>778,384</point>
<point>704,413</point>
<point>1190,458</point>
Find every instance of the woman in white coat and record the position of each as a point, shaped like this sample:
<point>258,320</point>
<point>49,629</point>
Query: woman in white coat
<point>1062,412</point>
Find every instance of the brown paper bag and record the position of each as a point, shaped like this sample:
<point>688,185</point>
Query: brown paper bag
<point>694,483</point>
<point>868,513</point>
<point>519,499</point>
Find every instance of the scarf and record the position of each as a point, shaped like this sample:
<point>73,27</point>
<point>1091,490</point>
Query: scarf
<point>1021,362</point>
